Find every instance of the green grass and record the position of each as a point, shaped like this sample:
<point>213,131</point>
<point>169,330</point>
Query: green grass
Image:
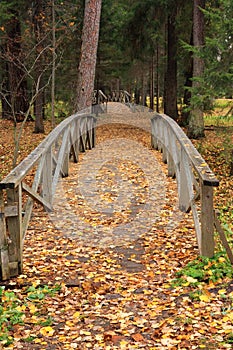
<point>12,309</point>
<point>205,270</point>
<point>220,115</point>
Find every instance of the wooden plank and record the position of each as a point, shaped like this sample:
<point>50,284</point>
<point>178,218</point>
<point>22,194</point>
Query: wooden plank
<point>74,144</point>
<point>223,237</point>
<point>16,176</point>
<point>11,210</point>
<point>94,121</point>
<point>60,160</point>
<point>29,204</point>
<point>186,184</point>
<point>14,224</point>
<point>47,179</point>
<point>4,255</point>
<point>82,135</point>
<point>170,160</point>
<point>36,197</point>
<point>202,168</point>
<point>207,221</point>
<point>196,224</point>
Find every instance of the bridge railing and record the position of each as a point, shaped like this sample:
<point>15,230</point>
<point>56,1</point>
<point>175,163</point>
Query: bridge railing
<point>195,180</point>
<point>99,102</point>
<point>121,96</point>
<point>35,180</point>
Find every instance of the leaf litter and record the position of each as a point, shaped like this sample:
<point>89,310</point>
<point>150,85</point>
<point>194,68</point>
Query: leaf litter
<point>119,295</point>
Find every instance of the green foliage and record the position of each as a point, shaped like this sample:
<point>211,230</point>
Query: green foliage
<point>9,315</point>
<point>12,309</point>
<point>39,293</point>
<point>205,270</point>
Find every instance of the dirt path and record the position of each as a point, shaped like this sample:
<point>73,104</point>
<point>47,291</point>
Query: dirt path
<point>114,242</point>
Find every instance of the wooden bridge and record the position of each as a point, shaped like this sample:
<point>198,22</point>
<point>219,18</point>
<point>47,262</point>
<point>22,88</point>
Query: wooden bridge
<point>36,178</point>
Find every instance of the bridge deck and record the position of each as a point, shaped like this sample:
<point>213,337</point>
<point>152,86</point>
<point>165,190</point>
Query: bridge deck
<point>116,239</point>
<point>116,199</point>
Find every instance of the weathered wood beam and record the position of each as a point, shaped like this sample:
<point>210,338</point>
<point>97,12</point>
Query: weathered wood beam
<point>4,255</point>
<point>36,197</point>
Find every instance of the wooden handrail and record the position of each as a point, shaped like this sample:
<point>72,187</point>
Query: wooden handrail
<point>202,168</point>
<point>194,177</point>
<point>13,179</point>
<point>49,161</point>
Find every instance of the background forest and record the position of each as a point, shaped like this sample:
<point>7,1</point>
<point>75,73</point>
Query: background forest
<point>155,292</point>
<point>145,47</point>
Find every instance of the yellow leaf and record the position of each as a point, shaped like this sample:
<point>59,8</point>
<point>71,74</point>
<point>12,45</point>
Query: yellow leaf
<point>222,291</point>
<point>36,283</point>
<point>21,308</point>
<point>47,331</point>
<point>69,323</point>
<point>76,314</point>
<point>221,259</point>
<point>230,315</point>
<point>225,319</point>
<point>204,298</point>
<point>37,340</point>
<point>191,279</point>
<point>33,309</point>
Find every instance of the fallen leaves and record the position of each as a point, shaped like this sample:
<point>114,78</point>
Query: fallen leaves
<point>119,296</point>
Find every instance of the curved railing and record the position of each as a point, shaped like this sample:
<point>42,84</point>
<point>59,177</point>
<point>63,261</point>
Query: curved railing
<point>194,178</point>
<point>99,102</point>
<point>36,178</point>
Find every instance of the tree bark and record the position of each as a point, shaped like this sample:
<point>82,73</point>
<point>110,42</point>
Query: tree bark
<point>196,119</point>
<point>170,86</point>
<point>184,119</point>
<point>87,65</point>
<point>15,80</point>
<point>152,84</point>
<point>38,75</point>
<point>5,93</point>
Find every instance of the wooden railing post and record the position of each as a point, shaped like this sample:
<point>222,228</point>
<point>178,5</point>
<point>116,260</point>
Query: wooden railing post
<point>50,160</point>
<point>47,177</point>
<point>194,177</point>
<point>93,133</point>
<point>207,221</point>
<point>4,256</point>
<point>13,212</point>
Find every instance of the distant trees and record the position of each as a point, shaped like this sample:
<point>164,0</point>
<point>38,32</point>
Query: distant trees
<point>196,119</point>
<point>13,80</point>
<point>27,55</point>
<point>145,47</point>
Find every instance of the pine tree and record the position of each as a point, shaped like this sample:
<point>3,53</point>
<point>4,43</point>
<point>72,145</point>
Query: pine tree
<point>87,65</point>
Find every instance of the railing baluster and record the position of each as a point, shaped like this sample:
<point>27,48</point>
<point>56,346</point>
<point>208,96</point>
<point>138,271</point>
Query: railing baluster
<point>4,255</point>
<point>14,224</point>
<point>184,162</point>
<point>51,160</point>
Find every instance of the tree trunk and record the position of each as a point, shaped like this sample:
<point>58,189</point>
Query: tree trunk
<point>38,19</point>
<point>15,81</point>
<point>152,84</point>
<point>196,119</point>
<point>187,92</point>
<point>5,93</point>
<point>87,65</point>
<point>157,78</point>
<point>170,86</point>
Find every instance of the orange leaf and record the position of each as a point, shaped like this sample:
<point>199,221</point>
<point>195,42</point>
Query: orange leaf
<point>137,337</point>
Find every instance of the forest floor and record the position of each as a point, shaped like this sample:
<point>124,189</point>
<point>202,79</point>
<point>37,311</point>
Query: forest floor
<point>100,272</point>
